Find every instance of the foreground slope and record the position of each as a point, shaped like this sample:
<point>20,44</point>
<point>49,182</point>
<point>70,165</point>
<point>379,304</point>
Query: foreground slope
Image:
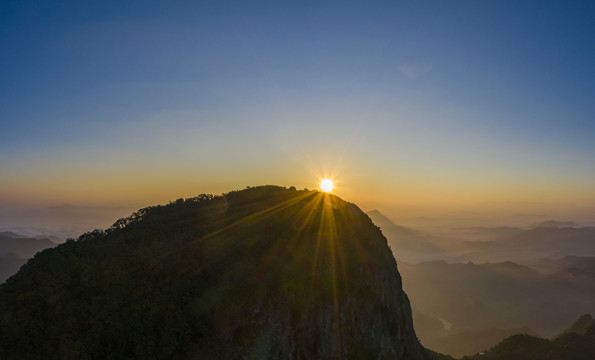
<point>260,273</point>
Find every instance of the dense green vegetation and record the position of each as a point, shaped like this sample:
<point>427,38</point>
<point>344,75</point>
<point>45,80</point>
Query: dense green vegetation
<point>266,272</point>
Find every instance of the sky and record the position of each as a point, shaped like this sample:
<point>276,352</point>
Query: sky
<point>402,103</point>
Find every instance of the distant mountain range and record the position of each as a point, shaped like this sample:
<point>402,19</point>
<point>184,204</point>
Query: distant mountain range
<point>407,244</point>
<point>551,266</point>
<point>540,293</point>
<point>471,342</point>
<point>527,245</point>
<point>500,295</point>
<point>575,343</point>
<point>480,244</point>
<point>483,233</point>
<point>480,303</point>
<point>462,307</point>
<point>15,249</point>
<point>22,246</point>
<point>554,223</point>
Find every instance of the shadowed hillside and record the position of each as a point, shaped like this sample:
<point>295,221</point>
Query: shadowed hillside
<point>261,273</point>
<point>576,343</point>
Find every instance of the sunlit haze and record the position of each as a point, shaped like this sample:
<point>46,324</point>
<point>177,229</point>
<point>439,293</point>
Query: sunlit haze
<point>327,185</point>
<point>417,107</point>
<point>297,179</point>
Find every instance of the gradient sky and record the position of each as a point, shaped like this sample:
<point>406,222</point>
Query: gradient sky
<point>402,102</point>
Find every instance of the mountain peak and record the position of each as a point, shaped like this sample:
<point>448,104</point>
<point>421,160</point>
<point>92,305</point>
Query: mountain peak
<point>581,325</point>
<point>265,272</point>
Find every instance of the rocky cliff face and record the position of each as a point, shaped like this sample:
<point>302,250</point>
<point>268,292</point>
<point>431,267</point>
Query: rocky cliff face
<point>263,273</point>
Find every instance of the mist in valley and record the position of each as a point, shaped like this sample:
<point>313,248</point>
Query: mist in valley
<point>473,281</point>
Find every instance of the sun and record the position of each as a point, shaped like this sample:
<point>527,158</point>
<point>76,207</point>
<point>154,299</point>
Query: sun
<point>327,185</point>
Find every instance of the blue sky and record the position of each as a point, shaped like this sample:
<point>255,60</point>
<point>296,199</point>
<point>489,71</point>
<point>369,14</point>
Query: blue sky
<point>480,100</point>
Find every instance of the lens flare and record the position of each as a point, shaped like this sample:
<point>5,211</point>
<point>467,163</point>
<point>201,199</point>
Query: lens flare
<point>327,185</point>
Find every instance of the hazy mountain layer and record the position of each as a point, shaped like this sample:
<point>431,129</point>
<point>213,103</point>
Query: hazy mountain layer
<point>528,245</point>
<point>474,297</point>
<point>256,274</point>
<point>576,343</point>
<point>471,342</point>
<point>22,246</point>
<point>407,245</point>
<point>552,266</point>
<point>554,223</point>
<point>461,308</point>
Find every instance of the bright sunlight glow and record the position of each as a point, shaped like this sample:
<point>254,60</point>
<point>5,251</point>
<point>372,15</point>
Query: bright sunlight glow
<point>327,185</point>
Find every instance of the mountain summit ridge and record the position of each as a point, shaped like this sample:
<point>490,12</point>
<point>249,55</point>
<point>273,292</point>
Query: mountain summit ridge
<point>265,272</point>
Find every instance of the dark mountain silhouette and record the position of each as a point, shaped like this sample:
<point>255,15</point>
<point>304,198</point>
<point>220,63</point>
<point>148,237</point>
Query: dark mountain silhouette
<point>407,244</point>
<point>570,345</point>
<point>262,273</point>
<point>22,246</point>
<point>581,327</point>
